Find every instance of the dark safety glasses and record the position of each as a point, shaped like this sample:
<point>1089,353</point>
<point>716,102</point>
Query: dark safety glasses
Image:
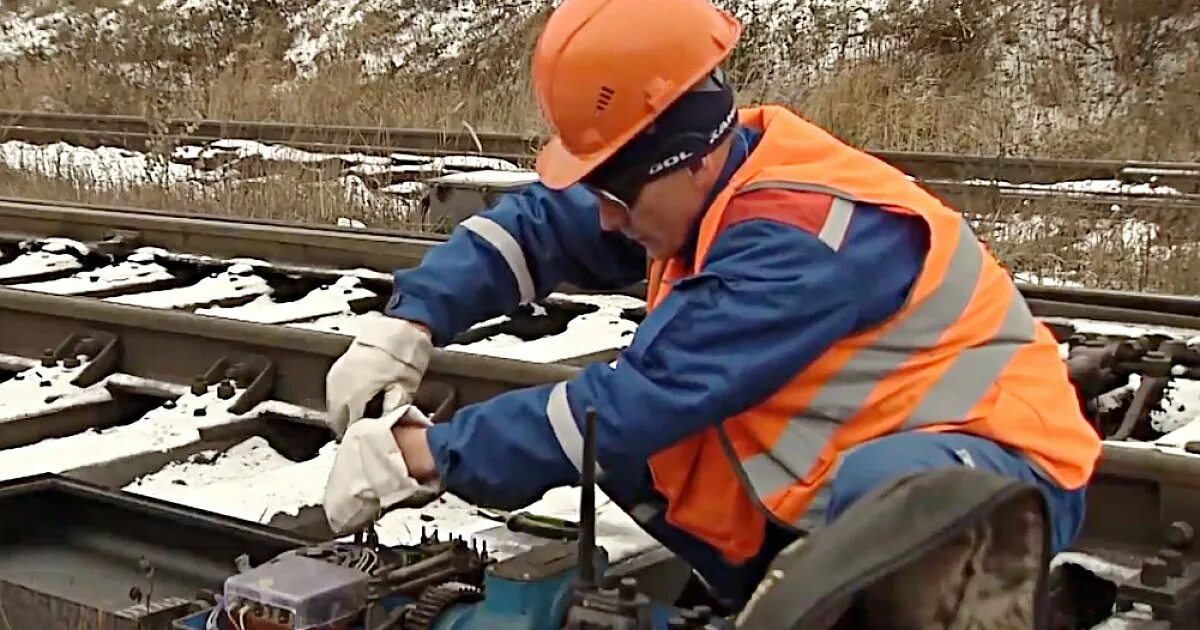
<point>624,201</point>
<point>604,194</point>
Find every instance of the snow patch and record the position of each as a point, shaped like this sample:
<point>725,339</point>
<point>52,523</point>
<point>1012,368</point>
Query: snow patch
<point>59,245</point>
<point>488,178</point>
<point>1116,329</point>
<point>237,281</point>
<point>1104,186</point>
<point>240,461</point>
<point>104,167</point>
<point>405,188</point>
<point>38,263</point>
<point>24,34</point>
<point>1180,407</point>
<point>252,486</point>
<point>1141,616</point>
<point>41,390</point>
<point>242,149</point>
<point>328,300</point>
<point>587,334</point>
<point>170,426</point>
<point>591,333</point>
<point>1101,568</point>
<point>1114,398</point>
<point>477,162</point>
<point>137,269</point>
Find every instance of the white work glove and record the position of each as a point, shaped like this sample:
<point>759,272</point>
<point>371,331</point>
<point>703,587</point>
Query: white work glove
<point>388,355</point>
<point>369,474</point>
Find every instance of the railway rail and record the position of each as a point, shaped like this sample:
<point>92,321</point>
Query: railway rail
<point>452,198</point>
<point>140,134</point>
<point>319,249</point>
<point>109,386</point>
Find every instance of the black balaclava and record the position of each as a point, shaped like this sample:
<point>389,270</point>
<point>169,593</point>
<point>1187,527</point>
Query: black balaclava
<point>685,132</point>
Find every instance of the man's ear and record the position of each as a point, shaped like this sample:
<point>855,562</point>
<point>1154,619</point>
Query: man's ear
<point>699,169</point>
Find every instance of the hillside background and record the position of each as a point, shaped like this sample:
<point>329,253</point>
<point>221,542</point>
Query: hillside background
<point>1075,78</point>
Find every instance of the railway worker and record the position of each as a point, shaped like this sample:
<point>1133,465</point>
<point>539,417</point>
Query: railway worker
<point>817,324</point>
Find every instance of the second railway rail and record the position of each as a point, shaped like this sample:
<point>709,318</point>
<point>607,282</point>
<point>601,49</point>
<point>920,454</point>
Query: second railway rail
<point>140,134</point>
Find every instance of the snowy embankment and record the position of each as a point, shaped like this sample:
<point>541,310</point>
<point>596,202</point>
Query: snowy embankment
<point>388,187</point>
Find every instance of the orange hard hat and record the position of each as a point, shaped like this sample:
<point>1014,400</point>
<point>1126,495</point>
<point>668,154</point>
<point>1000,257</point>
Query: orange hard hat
<point>604,69</point>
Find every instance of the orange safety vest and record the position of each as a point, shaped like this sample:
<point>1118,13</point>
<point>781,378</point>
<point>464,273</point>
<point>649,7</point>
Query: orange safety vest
<point>963,354</point>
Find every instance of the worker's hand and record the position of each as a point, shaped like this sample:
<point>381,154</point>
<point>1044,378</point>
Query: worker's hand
<point>388,355</point>
<point>369,473</point>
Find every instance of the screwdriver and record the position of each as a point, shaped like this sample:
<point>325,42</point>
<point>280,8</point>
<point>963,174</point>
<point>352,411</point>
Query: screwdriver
<point>535,524</point>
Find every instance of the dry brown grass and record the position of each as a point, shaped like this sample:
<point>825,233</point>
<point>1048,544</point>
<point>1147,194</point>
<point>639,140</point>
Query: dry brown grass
<point>1138,249</point>
<point>1068,78</point>
<point>289,194</point>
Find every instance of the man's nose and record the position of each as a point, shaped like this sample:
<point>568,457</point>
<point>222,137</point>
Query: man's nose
<point>612,217</point>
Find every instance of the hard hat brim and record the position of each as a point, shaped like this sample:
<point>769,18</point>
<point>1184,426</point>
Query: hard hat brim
<point>558,168</point>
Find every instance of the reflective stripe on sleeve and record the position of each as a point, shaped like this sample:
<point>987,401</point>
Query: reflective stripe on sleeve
<point>503,242</point>
<point>566,429</point>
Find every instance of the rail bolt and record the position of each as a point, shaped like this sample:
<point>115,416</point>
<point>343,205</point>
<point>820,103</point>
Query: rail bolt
<point>225,390</point>
<point>627,589</point>
<point>199,385</point>
<point>71,362</point>
<point>1154,572</point>
<point>1156,364</point>
<point>1173,560</point>
<point>48,358</point>
<point>1180,535</point>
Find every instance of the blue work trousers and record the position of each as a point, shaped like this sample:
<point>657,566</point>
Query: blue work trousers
<point>864,468</point>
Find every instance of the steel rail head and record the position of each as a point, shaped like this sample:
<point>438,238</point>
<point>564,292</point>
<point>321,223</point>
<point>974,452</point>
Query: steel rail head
<point>175,346</point>
<point>219,237</point>
<point>384,250</point>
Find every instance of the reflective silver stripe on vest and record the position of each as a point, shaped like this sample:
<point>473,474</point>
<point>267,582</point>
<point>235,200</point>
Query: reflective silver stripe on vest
<point>847,392</point>
<point>766,476</point>
<point>833,230</point>
<point>508,247</point>
<point>797,450</point>
<point>973,371</point>
<point>562,422</point>
<point>836,224</point>
<point>802,440</point>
